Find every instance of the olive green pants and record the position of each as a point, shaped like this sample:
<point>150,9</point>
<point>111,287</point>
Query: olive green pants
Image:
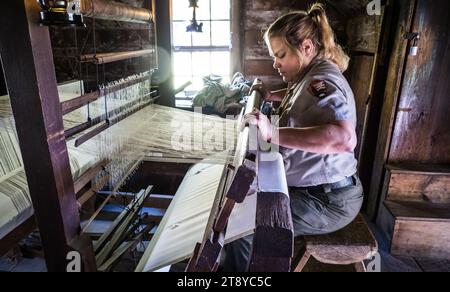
<point>312,214</point>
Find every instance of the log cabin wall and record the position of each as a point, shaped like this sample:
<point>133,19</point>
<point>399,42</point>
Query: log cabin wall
<point>364,32</point>
<point>110,36</point>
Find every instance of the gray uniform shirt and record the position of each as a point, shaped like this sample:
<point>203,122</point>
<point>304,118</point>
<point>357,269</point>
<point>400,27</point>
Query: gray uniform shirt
<point>322,95</point>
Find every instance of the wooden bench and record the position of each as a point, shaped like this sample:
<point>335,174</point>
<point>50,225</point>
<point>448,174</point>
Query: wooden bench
<point>349,246</point>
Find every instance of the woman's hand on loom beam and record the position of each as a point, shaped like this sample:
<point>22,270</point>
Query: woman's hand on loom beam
<point>262,90</point>
<point>258,119</point>
<point>268,95</point>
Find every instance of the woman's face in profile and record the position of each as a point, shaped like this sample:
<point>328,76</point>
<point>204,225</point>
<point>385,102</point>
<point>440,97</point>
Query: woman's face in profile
<point>289,63</point>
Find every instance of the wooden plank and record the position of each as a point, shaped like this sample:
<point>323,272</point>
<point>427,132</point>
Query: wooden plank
<point>417,229</point>
<point>377,96</point>
<point>38,117</point>
<point>418,211</point>
<point>405,12</point>
<point>419,187</point>
<point>423,239</point>
<point>105,58</point>
<point>423,104</point>
<point>414,168</point>
<point>364,33</point>
<point>91,134</point>
<point>360,75</point>
<point>76,103</point>
<point>255,46</point>
<point>259,19</point>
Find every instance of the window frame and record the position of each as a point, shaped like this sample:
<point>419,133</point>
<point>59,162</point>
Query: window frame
<point>211,48</point>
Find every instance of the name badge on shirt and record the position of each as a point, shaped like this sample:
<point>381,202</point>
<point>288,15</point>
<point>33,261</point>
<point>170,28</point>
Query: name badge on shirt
<point>318,88</point>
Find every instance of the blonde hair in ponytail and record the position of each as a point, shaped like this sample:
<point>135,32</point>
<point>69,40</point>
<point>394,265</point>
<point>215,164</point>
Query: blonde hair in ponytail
<point>294,27</point>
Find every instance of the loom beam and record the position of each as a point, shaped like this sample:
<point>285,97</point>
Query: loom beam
<point>95,121</point>
<point>110,10</point>
<point>78,102</point>
<point>105,58</point>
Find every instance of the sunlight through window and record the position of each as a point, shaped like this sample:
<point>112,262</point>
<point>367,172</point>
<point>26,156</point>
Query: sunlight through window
<point>197,55</point>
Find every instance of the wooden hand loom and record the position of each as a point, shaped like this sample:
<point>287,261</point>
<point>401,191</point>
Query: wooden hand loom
<point>231,211</point>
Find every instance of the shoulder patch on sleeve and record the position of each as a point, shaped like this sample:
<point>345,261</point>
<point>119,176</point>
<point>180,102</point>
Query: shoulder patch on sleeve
<point>318,88</point>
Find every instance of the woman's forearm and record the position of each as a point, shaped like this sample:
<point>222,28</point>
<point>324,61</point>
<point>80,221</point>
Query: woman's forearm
<point>327,139</point>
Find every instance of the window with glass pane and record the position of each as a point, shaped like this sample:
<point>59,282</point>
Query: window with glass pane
<point>197,55</point>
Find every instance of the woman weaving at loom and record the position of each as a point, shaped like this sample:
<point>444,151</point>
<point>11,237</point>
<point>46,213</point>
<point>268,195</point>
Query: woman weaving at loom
<point>316,130</point>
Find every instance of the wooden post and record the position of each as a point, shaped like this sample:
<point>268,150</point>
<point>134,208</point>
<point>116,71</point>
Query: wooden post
<point>237,37</point>
<point>161,16</point>
<point>397,63</point>
<point>27,60</point>
<point>273,244</point>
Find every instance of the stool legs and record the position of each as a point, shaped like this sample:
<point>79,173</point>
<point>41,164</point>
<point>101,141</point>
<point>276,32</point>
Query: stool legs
<point>301,260</point>
<point>360,267</point>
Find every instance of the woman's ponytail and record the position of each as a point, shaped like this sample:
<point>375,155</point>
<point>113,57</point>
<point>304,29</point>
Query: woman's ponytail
<point>330,50</point>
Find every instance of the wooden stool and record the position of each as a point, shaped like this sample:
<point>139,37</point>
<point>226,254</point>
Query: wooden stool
<point>349,246</point>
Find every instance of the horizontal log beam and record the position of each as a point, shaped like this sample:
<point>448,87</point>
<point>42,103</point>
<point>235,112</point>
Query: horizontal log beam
<point>105,58</point>
<point>111,10</point>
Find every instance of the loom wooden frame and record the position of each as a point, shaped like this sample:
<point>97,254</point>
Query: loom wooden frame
<point>38,117</point>
<point>38,114</point>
